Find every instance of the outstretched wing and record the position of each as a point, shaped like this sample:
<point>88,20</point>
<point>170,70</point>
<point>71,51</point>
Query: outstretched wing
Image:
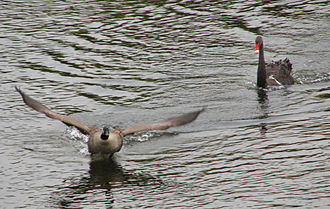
<point>171,122</point>
<point>67,120</point>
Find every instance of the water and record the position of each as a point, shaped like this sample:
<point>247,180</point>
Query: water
<point>118,63</point>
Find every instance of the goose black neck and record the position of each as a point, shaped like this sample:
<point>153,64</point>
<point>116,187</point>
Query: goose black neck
<point>261,74</point>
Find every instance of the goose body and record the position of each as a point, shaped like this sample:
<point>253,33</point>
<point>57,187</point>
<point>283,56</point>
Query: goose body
<point>103,141</point>
<point>97,145</point>
<point>272,74</point>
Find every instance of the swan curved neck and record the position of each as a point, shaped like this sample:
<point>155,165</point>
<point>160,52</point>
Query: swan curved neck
<point>261,74</point>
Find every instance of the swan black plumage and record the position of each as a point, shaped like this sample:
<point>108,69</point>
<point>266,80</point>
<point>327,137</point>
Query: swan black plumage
<point>272,74</point>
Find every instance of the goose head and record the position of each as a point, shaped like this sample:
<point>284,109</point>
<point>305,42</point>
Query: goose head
<point>105,133</point>
<point>104,141</point>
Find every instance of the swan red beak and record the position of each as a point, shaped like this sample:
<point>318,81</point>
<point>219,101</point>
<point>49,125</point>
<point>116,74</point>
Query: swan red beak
<point>257,48</point>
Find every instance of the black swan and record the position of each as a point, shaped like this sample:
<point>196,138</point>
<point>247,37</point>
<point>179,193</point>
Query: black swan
<point>275,73</point>
<point>103,141</point>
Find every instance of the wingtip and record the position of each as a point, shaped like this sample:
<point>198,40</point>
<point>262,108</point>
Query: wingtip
<point>200,111</point>
<point>19,90</point>
<point>196,113</point>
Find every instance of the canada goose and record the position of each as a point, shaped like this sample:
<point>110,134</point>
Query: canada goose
<point>103,141</point>
<point>275,73</point>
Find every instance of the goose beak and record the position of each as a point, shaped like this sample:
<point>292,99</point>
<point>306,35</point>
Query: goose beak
<point>105,133</point>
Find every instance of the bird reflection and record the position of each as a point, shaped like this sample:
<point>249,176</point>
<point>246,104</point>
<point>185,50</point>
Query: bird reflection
<point>264,106</point>
<point>263,102</point>
<point>106,171</point>
<point>263,130</point>
<point>96,185</point>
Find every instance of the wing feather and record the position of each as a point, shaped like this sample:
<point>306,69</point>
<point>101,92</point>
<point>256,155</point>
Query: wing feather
<point>67,120</point>
<point>171,122</point>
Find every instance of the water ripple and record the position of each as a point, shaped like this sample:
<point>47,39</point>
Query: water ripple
<point>121,63</point>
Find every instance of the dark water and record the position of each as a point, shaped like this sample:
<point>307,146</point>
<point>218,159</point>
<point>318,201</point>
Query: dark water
<point>119,63</point>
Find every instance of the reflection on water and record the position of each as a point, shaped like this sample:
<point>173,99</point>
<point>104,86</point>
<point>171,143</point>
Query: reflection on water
<point>120,63</point>
<point>263,130</point>
<point>263,102</point>
<point>96,186</point>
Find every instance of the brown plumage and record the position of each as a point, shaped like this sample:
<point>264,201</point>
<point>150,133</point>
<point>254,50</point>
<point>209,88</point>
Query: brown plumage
<point>274,73</point>
<point>106,141</point>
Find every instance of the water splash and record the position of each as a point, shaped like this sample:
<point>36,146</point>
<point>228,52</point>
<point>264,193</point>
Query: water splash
<point>78,140</point>
<point>308,78</point>
<point>141,137</point>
